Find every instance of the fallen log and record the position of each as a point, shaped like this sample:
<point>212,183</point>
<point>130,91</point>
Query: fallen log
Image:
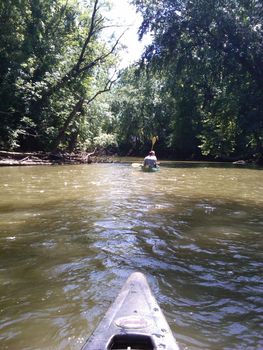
<point>42,158</point>
<point>20,154</point>
<point>14,162</point>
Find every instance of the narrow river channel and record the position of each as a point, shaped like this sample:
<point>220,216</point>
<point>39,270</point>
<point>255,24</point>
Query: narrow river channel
<point>71,235</point>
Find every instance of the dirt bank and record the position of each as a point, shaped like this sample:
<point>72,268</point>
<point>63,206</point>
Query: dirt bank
<point>44,158</point>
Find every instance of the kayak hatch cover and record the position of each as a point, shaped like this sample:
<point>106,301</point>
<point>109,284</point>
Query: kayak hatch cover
<point>133,321</point>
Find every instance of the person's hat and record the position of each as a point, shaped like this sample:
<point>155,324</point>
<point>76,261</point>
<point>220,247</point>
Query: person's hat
<point>152,152</point>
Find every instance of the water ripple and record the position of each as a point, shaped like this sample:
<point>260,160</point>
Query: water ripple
<point>70,236</point>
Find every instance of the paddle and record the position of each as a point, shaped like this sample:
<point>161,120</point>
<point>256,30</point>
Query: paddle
<point>136,165</point>
<point>154,139</point>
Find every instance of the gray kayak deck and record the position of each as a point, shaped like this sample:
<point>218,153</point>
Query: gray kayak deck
<point>134,321</point>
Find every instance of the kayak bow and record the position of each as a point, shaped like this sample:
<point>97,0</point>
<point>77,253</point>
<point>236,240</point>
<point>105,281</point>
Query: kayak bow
<point>134,321</point>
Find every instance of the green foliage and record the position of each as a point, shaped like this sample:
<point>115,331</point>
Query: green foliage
<point>210,55</point>
<point>51,54</point>
<point>104,140</point>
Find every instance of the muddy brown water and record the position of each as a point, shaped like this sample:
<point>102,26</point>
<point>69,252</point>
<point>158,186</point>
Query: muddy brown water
<point>71,235</point>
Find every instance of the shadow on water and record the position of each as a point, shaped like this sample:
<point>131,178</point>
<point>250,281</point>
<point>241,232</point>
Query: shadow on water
<point>197,164</point>
<point>64,259</point>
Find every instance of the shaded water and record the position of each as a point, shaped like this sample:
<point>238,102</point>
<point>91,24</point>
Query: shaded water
<point>71,235</point>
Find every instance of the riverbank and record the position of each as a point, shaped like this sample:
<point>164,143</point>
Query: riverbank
<point>45,158</point>
<point>60,158</point>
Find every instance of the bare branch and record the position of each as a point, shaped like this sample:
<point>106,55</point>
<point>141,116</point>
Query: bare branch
<point>102,57</point>
<point>90,34</point>
<point>77,70</point>
<point>106,88</point>
<point>116,26</point>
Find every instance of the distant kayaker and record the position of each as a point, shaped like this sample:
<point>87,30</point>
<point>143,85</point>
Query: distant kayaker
<point>150,161</point>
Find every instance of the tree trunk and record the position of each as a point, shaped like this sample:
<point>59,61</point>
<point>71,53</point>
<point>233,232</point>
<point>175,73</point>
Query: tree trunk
<point>73,141</point>
<point>69,120</point>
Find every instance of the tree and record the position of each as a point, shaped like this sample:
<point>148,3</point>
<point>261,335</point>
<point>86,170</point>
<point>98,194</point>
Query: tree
<point>49,68</point>
<point>140,111</point>
<point>213,49</point>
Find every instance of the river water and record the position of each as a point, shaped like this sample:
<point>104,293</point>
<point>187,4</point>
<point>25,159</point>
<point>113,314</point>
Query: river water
<point>71,235</point>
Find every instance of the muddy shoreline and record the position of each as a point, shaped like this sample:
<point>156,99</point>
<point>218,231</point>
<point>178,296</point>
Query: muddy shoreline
<point>44,158</point>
